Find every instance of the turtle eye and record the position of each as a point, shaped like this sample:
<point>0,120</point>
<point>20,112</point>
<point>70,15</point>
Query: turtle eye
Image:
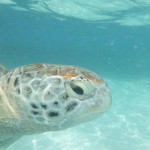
<point>79,89</point>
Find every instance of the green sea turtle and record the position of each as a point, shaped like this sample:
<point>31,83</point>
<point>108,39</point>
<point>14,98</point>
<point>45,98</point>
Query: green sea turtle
<point>43,97</point>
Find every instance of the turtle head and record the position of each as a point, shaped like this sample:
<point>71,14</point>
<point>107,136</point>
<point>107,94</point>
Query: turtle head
<point>88,98</point>
<point>54,97</point>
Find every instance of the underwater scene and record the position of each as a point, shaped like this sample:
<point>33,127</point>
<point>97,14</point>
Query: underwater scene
<point>108,37</point>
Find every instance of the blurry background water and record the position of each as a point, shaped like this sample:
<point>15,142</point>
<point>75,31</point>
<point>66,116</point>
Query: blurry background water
<point>108,37</point>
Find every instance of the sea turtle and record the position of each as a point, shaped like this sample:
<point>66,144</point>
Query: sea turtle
<point>42,97</point>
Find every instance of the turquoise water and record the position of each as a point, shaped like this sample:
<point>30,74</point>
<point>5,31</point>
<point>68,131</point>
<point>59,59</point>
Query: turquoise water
<point>109,38</point>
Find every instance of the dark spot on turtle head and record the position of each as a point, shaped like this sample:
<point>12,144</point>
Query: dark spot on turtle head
<point>71,106</point>
<point>16,82</point>
<point>18,91</point>
<point>10,76</point>
<point>81,77</point>
<point>48,96</point>
<point>34,106</point>
<point>65,96</point>
<point>55,103</point>
<point>8,80</point>
<point>44,106</point>
<point>20,72</point>
<point>28,75</point>
<point>27,92</point>
<point>35,112</point>
<point>53,114</point>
